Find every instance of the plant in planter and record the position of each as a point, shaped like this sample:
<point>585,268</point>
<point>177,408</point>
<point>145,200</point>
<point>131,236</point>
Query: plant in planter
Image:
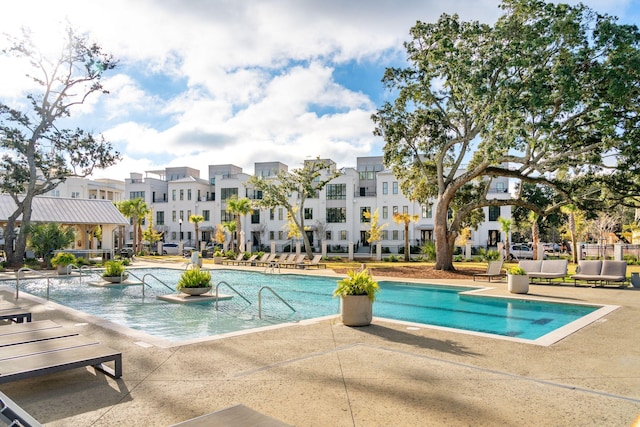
<point>218,255</point>
<point>194,282</point>
<point>517,280</point>
<point>62,261</point>
<point>357,293</point>
<point>114,272</point>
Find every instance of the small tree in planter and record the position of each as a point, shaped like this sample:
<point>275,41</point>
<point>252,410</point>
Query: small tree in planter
<point>517,280</point>
<point>194,282</point>
<point>62,260</point>
<point>114,272</point>
<point>357,293</point>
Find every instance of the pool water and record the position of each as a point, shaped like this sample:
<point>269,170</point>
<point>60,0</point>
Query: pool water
<point>310,296</point>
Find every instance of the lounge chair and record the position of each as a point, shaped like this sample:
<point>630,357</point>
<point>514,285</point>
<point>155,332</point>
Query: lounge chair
<point>493,270</point>
<point>37,348</point>
<point>239,258</point>
<point>315,262</point>
<point>10,311</point>
<point>267,261</point>
<point>600,272</point>
<point>294,261</point>
<point>13,415</point>
<point>249,261</point>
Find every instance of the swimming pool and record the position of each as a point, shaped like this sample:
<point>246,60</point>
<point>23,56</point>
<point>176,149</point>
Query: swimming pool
<point>310,296</point>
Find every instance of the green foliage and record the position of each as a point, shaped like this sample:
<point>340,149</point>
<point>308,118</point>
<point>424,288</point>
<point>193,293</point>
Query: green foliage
<point>357,282</point>
<point>63,259</point>
<point>194,278</point>
<point>113,269</point>
<point>429,251</point>
<point>544,95</point>
<point>516,271</point>
<point>33,137</point>
<point>44,239</point>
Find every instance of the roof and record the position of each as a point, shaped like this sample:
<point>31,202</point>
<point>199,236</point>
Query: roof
<point>66,211</point>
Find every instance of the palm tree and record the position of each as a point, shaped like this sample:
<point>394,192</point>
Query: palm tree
<point>239,208</point>
<point>570,211</point>
<point>405,218</point>
<point>535,232</point>
<point>195,220</point>
<point>505,225</point>
<point>137,210</point>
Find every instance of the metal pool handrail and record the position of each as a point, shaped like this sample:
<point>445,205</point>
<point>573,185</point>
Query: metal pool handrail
<point>274,293</point>
<point>37,275</point>
<point>233,289</point>
<point>145,283</point>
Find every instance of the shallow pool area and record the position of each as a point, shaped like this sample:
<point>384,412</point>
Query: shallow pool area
<point>310,296</point>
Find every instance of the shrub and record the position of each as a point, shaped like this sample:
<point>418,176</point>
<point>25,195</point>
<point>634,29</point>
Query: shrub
<point>113,269</point>
<point>357,283</point>
<point>194,278</point>
<point>63,259</point>
<point>429,251</point>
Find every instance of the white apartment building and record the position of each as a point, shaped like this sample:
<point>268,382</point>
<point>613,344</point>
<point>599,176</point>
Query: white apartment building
<point>83,188</point>
<point>335,217</point>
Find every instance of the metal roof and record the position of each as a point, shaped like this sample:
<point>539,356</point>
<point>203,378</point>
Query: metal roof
<point>66,211</point>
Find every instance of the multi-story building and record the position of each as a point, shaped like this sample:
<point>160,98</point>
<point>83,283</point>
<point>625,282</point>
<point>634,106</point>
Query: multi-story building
<point>336,216</point>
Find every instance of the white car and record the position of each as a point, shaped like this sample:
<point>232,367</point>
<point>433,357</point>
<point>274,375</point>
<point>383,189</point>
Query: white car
<point>172,249</point>
<point>518,251</point>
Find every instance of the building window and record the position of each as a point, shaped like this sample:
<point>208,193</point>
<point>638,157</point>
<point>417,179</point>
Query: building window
<point>206,215</point>
<point>395,187</point>
<point>394,210</point>
<point>427,211</point>
<point>280,235</point>
<point>226,216</point>
<point>173,235</point>
<point>181,194</point>
<point>327,235</point>
<point>343,234</point>
<point>385,234</point>
<point>494,238</point>
<point>132,195</point>
<point>308,213</point>
<point>188,214</point>
<point>395,235</point>
<point>173,216</point>
<point>75,194</point>
<point>272,235</point>
<point>385,188</point>
<point>255,217</point>
<point>494,213</point>
<point>365,214</point>
<point>271,214</point>
<point>405,209</point>
<point>160,218</point>
<point>336,215</point>
<point>173,195</point>
<point>188,194</point>
<point>182,215</point>
<point>280,214</point>
<point>385,212</point>
<point>227,193</point>
<point>336,191</point>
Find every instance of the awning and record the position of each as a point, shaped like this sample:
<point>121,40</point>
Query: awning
<point>424,227</point>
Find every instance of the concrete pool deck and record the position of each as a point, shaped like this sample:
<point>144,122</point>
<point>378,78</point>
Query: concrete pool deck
<point>321,373</point>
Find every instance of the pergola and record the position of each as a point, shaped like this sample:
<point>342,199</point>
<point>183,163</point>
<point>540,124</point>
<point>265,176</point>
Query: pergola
<point>82,214</point>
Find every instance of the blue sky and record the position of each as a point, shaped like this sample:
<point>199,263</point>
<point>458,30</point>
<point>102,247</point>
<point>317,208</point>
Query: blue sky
<point>214,81</point>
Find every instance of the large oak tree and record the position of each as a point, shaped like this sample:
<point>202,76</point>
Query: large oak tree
<point>546,89</point>
<point>37,152</point>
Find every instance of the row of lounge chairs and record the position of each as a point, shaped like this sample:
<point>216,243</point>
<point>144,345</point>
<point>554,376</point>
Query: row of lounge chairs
<point>277,261</point>
<point>595,272</point>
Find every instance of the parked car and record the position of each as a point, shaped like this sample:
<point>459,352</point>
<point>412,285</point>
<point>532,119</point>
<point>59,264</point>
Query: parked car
<point>172,249</point>
<point>519,251</point>
<point>551,247</point>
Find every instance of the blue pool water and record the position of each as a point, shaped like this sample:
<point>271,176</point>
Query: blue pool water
<point>310,296</point>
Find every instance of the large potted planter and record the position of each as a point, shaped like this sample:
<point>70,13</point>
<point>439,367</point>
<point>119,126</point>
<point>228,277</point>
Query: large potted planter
<point>357,293</point>
<point>194,282</point>
<point>62,262</point>
<point>517,281</point>
<point>114,272</point>
<point>218,256</point>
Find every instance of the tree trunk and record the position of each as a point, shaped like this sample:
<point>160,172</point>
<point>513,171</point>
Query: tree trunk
<point>15,256</point>
<point>444,241</point>
<point>407,249</point>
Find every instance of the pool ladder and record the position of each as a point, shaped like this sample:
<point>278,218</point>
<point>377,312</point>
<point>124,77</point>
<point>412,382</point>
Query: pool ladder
<point>259,297</point>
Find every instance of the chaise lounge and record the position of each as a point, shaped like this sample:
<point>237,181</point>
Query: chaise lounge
<point>546,270</point>
<point>43,347</point>
<point>494,269</point>
<point>600,272</point>
<point>10,311</point>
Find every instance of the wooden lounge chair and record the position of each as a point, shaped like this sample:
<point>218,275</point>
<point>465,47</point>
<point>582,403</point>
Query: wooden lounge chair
<point>294,261</point>
<point>249,261</point>
<point>494,269</point>
<point>10,311</point>
<point>270,258</point>
<point>315,262</point>
<point>38,348</point>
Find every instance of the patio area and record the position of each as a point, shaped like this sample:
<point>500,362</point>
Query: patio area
<point>321,373</point>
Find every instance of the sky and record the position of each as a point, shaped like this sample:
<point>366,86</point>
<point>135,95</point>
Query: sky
<point>202,82</point>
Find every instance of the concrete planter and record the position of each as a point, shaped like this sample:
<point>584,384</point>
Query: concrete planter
<point>217,259</point>
<point>115,279</point>
<point>518,284</point>
<point>356,310</point>
<point>63,270</point>
<point>195,291</point>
